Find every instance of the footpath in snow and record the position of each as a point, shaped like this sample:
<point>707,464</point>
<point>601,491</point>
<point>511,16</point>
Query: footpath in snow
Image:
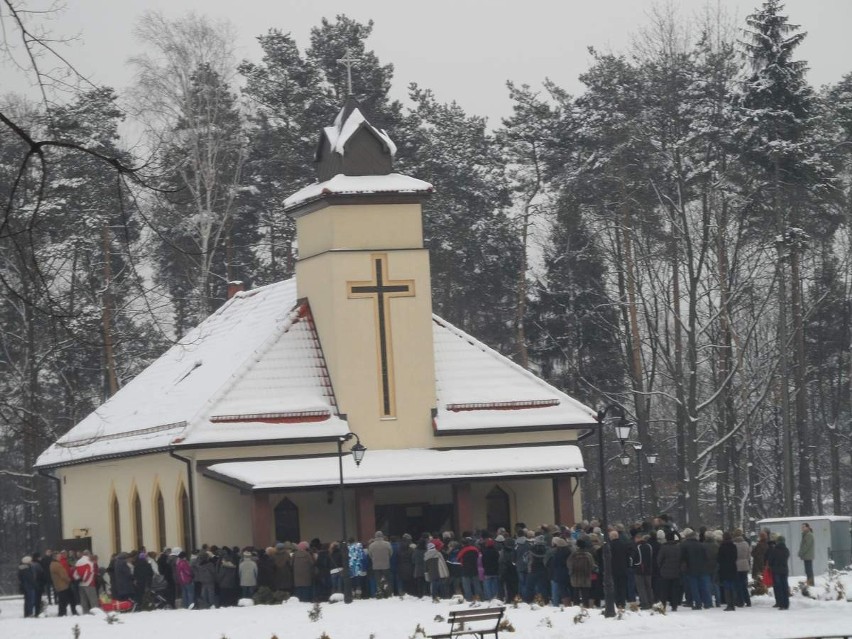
<point>403,618</point>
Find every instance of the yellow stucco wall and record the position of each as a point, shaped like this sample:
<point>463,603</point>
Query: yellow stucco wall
<point>224,514</point>
<point>87,491</point>
<point>348,334</point>
<point>385,226</point>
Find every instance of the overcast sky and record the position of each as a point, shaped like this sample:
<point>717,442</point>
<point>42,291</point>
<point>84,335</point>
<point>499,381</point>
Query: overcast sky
<point>464,50</point>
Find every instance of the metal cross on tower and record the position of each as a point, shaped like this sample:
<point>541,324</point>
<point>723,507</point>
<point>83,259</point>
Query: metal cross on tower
<point>348,60</point>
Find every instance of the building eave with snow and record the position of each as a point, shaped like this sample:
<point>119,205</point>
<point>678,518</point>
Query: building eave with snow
<point>231,436</point>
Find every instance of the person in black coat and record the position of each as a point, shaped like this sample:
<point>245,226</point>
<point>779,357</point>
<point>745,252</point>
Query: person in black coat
<point>167,572</point>
<point>143,574</point>
<point>693,555</point>
<point>27,585</point>
<point>669,564</point>
<point>727,562</point>
<point>778,557</point>
<point>122,584</point>
<point>619,565</point>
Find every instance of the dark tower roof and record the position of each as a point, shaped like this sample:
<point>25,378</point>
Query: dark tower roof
<point>353,146</point>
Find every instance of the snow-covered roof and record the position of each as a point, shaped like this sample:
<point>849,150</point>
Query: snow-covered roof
<point>778,520</point>
<point>357,185</point>
<point>251,371</point>
<point>480,389</point>
<point>254,371</point>
<point>381,466</point>
<point>349,119</point>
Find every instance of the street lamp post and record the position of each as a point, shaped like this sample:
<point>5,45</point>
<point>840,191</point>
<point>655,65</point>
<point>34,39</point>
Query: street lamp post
<point>650,459</point>
<point>358,452</point>
<point>622,429</point>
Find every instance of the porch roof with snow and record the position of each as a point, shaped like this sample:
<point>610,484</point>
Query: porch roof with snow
<point>401,466</point>
<point>254,372</point>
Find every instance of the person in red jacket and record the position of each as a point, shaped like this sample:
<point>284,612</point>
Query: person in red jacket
<point>85,574</point>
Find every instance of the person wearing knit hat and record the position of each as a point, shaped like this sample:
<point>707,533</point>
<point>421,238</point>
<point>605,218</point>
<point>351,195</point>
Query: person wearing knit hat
<point>27,585</point>
<point>661,536</point>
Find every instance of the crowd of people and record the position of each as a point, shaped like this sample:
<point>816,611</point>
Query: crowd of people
<point>651,562</point>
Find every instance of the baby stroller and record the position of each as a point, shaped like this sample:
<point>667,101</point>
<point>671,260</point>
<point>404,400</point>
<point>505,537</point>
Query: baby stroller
<point>157,593</point>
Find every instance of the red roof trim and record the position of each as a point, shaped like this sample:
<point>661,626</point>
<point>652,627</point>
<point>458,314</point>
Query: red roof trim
<point>533,403</point>
<point>300,417</point>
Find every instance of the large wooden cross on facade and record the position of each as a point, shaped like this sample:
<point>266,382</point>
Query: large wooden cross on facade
<point>381,290</point>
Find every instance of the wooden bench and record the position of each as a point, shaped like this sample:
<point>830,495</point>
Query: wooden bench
<point>473,621</point>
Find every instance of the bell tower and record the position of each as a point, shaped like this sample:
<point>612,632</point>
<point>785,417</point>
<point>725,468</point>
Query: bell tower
<point>365,273</point>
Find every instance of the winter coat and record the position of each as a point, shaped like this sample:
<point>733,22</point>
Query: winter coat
<point>581,565</point>
<point>39,575</point>
<point>59,577</point>
<point>26,579</point>
<point>142,575</point>
<point>778,558</point>
<point>248,572</point>
<point>507,564</point>
<point>743,554</point>
<point>522,554</point>
<point>265,571</point>
<point>806,548</point>
<point>536,558</point>
<point>418,562</point>
<point>282,578</point>
<point>669,560</point>
<point>405,562</point>
<point>303,568</point>
<point>357,560</point>
<point>183,573</point>
<point>491,561</point>
<point>380,552</point>
<point>557,567</point>
<point>205,572</point>
<point>44,575</point>
<point>758,555</point>
<point>84,571</point>
<point>619,557</point>
<point>712,560</point>
<point>123,584</point>
<point>436,565</point>
<point>226,574</point>
<point>469,560</point>
<point>693,555</point>
<point>727,560</point>
<point>643,559</point>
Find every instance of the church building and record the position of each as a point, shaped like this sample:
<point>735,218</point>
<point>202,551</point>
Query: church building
<point>232,435</point>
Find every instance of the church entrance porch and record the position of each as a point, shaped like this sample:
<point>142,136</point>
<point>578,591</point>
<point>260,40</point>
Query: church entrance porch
<point>406,491</point>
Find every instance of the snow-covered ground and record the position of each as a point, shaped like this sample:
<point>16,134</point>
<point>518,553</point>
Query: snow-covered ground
<point>399,618</point>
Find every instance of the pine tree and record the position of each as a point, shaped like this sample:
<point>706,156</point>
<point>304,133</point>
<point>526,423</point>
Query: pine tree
<point>475,253</point>
<point>778,110</point>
